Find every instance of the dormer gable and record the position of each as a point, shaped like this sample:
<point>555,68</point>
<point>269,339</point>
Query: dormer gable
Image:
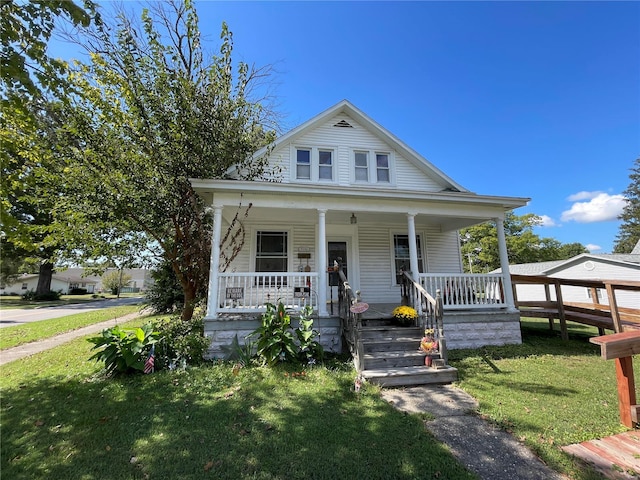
<point>343,146</point>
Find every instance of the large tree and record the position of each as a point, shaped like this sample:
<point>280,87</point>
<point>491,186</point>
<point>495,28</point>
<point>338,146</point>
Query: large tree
<point>153,113</point>
<point>29,79</point>
<point>479,244</point>
<point>629,232</point>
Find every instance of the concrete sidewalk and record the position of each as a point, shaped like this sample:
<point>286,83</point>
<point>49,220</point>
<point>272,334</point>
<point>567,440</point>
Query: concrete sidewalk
<point>490,453</point>
<point>21,351</point>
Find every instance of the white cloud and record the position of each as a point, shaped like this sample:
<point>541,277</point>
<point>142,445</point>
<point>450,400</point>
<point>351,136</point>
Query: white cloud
<point>592,248</point>
<point>547,221</point>
<point>576,197</point>
<point>601,207</point>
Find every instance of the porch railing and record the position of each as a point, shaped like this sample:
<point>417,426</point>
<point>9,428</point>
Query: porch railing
<point>350,321</point>
<point>466,290</point>
<point>251,291</point>
<point>430,310</point>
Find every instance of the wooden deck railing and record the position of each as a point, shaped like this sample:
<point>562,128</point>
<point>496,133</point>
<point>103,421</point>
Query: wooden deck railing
<point>607,316</point>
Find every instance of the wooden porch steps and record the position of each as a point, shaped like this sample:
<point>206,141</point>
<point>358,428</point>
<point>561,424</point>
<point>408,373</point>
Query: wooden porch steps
<point>391,357</point>
<point>616,457</point>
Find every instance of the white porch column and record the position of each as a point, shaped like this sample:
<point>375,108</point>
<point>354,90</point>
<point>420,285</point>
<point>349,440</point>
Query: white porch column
<point>413,246</point>
<point>504,265</point>
<point>322,264</point>
<point>214,264</point>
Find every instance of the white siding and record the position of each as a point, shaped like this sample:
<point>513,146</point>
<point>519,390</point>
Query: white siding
<point>443,250</point>
<point>376,277</point>
<point>344,140</point>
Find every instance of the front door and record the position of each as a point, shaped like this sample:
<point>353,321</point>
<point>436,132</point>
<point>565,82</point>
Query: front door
<point>337,252</point>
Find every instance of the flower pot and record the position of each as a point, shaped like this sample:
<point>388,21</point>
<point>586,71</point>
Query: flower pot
<point>428,360</point>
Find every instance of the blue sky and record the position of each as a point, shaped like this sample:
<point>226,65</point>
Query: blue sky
<point>537,99</point>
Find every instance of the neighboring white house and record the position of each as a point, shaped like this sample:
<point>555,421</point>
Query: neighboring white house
<point>76,277</point>
<point>586,266</point>
<point>348,190</point>
<point>59,283</point>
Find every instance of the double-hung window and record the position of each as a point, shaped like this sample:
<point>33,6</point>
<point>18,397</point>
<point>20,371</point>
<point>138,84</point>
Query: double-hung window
<point>382,168</point>
<point>314,164</point>
<point>361,166</point>
<point>402,260</point>
<point>303,164</point>
<point>325,165</point>
<point>272,253</point>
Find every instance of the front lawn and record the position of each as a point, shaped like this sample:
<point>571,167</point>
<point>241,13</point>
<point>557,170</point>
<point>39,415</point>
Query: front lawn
<point>34,331</point>
<point>547,392</point>
<point>62,419</point>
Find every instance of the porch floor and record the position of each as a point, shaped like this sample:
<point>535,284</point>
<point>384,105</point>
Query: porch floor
<point>376,311</point>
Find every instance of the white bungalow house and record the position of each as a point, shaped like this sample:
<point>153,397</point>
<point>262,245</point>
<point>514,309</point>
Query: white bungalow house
<point>351,192</point>
<point>64,283</point>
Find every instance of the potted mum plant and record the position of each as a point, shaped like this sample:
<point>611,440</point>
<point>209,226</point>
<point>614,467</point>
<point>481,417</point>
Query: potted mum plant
<point>429,345</point>
<point>405,316</point>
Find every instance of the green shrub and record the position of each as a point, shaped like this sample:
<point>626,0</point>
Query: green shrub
<point>181,342</point>
<point>309,349</point>
<point>49,296</point>
<point>275,338</point>
<point>124,350</point>
<point>78,291</point>
<point>277,342</point>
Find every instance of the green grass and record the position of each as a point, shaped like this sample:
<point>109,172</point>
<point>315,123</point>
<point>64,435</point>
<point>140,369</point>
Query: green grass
<point>63,419</point>
<point>8,302</point>
<point>33,331</point>
<point>547,392</point>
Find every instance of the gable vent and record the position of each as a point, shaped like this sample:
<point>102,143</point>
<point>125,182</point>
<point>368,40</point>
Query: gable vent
<point>344,124</point>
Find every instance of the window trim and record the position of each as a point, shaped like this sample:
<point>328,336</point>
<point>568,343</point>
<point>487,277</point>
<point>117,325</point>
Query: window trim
<point>314,162</point>
<point>254,249</point>
<point>421,250</point>
<point>372,167</point>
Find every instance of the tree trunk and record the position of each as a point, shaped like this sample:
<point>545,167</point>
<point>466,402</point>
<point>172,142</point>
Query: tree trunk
<point>189,303</point>
<point>44,278</point>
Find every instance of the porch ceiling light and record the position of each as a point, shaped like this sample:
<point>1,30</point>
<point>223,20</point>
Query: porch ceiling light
<point>354,219</point>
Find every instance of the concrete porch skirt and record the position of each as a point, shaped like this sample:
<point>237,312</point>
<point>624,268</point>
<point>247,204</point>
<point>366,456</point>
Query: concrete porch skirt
<point>463,328</point>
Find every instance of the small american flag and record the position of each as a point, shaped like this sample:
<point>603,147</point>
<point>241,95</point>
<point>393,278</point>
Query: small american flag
<point>148,365</point>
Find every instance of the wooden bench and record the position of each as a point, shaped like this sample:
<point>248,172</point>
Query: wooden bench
<point>621,347</point>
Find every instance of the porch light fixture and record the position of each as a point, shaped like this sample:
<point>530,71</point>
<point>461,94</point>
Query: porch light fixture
<point>354,219</point>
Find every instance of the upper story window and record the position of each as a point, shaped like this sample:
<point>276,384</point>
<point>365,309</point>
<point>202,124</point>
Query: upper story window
<point>303,164</point>
<point>382,167</point>
<point>361,166</point>
<point>325,165</point>
<point>314,164</point>
<point>372,167</point>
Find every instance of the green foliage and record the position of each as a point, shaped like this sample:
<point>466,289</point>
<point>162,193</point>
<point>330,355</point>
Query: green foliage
<point>480,244</point>
<point>629,232</point>
<point>275,338</point>
<point>154,112</point>
<point>180,341</point>
<point>310,350</point>
<point>242,354</point>
<point>277,341</point>
<point>49,296</point>
<point>124,350</point>
<point>113,280</point>
<point>165,294</point>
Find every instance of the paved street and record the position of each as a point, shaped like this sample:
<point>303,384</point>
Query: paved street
<point>19,316</point>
